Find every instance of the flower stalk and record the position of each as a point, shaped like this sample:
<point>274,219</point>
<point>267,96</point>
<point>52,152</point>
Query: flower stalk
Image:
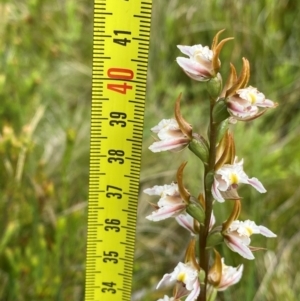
<point>204,253</point>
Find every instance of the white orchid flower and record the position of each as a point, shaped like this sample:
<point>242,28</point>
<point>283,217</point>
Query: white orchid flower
<point>187,277</point>
<point>229,176</point>
<point>237,236</point>
<point>170,203</point>
<point>245,103</point>
<point>170,135</point>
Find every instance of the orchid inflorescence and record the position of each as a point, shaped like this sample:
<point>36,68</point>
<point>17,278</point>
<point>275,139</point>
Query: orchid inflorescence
<point>203,272</point>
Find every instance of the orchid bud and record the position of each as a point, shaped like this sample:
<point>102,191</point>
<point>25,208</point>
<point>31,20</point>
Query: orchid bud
<point>222,128</point>
<point>199,147</point>
<point>201,276</point>
<point>209,179</point>
<point>220,111</point>
<point>214,86</point>
<point>213,239</point>
<point>196,211</point>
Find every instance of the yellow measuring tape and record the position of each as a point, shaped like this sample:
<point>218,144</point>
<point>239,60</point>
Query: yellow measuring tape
<point>120,58</point>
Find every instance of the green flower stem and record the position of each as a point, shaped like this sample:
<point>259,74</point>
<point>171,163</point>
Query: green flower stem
<point>204,253</point>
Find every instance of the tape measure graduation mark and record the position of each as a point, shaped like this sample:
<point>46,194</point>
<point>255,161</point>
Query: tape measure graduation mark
<point>120,59</point>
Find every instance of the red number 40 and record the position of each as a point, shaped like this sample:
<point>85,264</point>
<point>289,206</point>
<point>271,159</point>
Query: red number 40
<point>120,73</point>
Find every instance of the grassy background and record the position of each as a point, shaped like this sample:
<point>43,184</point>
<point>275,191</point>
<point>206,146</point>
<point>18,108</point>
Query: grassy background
<point>45,91</point>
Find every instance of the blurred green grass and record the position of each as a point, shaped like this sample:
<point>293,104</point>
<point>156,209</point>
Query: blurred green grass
<point>45,91</point>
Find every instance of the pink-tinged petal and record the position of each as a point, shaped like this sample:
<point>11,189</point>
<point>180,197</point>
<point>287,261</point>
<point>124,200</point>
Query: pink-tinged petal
<point>198,78</point>
<point>235,107</point>
<point>245,104</point>
<point>170,134</point>
<point>267,103</point>
<point>239,111</point>
<point>233,279</point>
<point>257,185</point>
<point>237,246</point>
<point>180,290</point>
<point>250,112</point>
<point>212,221</point>
<point>163,190</point>
<point>266,232</point>
<point>166,212</point>
<point>187,50</point>
<point>194,293</point>
<point>216,192</point>
<point>166,277</point>
<point>168,125</point>
<point>155,190</point>
<point>193,67</point>
<point>170,144</point>
<point>186,221</point>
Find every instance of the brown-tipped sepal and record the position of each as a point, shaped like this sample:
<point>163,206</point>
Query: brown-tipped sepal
<point>198,145</point>
<point>182,190</point>
<point>190,255</point>
<point>233,216</point>
<point>215,272</point>
<point>232,78</point>
<point>225,151</point>
<point>201,200</point>
<point>216,48</point>
<point>242,81</point>
<point>220,112</point>
<point>216,39</point>
<point>222,146</point>
<point>216,62</point>
<point>184,126</point>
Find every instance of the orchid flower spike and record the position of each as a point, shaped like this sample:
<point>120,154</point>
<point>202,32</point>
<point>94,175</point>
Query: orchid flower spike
<point>237,236</point>
<point>228,177</point>
<point>170,203</point>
